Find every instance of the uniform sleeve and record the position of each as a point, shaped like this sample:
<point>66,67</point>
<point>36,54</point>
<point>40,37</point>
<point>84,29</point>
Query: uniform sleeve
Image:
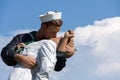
<point>47,59</point>
<point>61,61</point>
<point>8,52</point>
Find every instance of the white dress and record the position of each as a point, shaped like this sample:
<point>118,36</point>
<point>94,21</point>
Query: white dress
<point>45,53</point>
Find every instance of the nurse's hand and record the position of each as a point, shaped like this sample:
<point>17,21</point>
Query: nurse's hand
<point>27,61</point>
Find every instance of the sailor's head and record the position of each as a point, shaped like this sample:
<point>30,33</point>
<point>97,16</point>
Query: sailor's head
<point>51,22</point>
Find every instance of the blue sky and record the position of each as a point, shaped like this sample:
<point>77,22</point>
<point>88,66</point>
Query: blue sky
<point>22,14</point>
<point>97,28</point>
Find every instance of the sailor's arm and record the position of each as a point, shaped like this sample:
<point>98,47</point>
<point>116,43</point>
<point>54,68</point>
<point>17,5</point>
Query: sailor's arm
<point>68,41</point>
<point>8,52</point>
<point>64,51</point>
<point>11,57</point>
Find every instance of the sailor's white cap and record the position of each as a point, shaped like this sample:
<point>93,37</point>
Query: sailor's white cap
<point>50,15</point>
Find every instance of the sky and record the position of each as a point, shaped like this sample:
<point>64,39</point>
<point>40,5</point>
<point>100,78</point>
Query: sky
<point>96,24</point>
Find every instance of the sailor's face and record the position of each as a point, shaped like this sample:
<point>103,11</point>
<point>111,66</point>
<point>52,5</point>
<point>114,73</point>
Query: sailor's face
<point>51,31</point>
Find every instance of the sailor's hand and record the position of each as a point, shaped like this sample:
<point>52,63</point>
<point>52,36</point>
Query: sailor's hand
<point>26,61</point>
<point>69,34</point>
<point>67,44</point>
<point>70,43</point>
<point>70,49</point>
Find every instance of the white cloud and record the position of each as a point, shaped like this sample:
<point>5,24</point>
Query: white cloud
<point>4,41</point>
<point>102,43</point>
<point>108,68</point>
